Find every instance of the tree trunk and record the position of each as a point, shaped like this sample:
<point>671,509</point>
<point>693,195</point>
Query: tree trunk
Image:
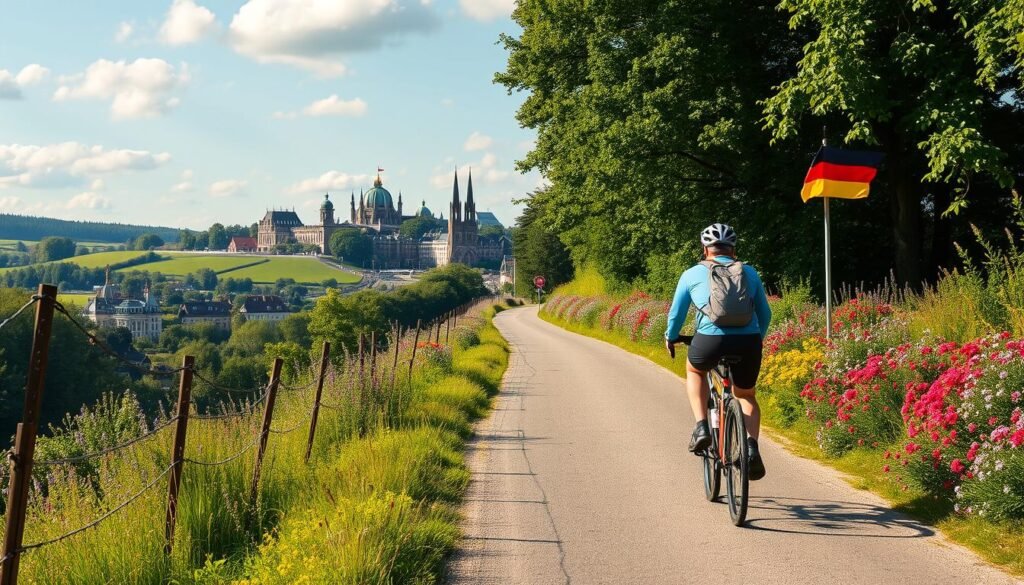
<point>906,219</point>
<point>942,233</point>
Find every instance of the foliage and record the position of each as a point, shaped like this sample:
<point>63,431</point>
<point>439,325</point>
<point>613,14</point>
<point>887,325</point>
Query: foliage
<point>24,227</point>
<point>656,118</point>
<point>538,252</point>
<point>351,245</point>
<point>147,241</point>
<point>415,228</point>
<point>53,248</point>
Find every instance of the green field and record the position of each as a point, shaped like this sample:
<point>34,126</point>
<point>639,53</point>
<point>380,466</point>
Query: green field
<point>73,298</point>
<point>9,245</point>
<point>304,270</point>
<point>180,265</point>
<point>267,269</point>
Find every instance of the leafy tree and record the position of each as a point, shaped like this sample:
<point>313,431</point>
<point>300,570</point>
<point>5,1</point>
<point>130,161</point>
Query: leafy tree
<point>186,240</point>
<point>539,252</point>
<point>244,372</point>
<point>148,242</point>
<point>295,329</point>
<point>491,232</point>
<point>251,336</point>
<point>21,247</point>
<point>415,228</point>
<point>935,85</point>
<point>53,248</point>
<point>81,251</point>
<point>218,237</point>
<point>77,374</point>
<point>206,279</point>
<point>340,319</point>
<point>352,245</point>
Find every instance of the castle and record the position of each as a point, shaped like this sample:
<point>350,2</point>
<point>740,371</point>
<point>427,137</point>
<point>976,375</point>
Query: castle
<point>376,215</point>
<point>109,308</point>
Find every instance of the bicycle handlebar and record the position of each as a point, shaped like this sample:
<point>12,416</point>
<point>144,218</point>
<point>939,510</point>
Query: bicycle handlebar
<point>684,339</point>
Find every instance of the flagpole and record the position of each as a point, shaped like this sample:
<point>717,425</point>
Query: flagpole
<point>828,256</point>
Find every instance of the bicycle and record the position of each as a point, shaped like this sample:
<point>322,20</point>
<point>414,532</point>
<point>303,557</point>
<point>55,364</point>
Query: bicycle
<point>728,436</point>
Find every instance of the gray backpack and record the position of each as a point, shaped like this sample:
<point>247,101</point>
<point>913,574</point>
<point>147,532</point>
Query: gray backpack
<point>730,304</point>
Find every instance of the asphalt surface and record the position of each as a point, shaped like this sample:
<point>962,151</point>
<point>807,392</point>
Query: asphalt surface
<point>581,475</point>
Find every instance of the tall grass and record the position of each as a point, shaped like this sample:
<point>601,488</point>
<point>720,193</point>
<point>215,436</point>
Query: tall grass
<point>380,487</point>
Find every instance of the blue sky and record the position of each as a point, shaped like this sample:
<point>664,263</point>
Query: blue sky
<point>186,112</point>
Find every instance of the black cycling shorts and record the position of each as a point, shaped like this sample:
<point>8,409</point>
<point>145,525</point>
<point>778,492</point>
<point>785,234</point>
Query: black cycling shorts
<point>706,350</point>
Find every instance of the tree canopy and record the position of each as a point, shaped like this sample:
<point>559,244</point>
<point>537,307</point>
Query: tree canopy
<point>352,245</point>
<point>655,118</point>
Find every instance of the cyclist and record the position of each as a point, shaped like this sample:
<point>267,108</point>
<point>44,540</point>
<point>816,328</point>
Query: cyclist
<point>711,342</point>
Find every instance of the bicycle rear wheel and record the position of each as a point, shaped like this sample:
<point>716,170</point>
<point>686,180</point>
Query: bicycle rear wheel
<point>736,463</point>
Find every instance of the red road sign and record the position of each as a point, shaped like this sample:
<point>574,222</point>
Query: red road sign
<point>539,281</point>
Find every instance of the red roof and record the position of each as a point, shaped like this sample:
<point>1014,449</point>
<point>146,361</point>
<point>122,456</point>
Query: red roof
<point>240,243</point>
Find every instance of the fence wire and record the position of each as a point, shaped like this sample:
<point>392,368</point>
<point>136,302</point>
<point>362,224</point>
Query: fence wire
<point>94,454</point>
<point>243,451</point>
<point>302,422</point>
<point>98,521</point>
<point>33,300</point>
<point>228,389</point>
<point>250,409</point>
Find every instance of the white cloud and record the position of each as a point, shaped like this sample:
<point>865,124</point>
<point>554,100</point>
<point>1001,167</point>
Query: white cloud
<point>68,163</point>
<point>487,170</point>
<point>314,34</point>
<point>227,187</point>
<point>333,106</point>
<point>32,74</point>
<point>187,22</point>
<point>124,32</point>
<point>487,10</point>
<point>9,203</point>
<point>329,106</point>
<point>89,200</point>
<point>11,84</point>
<point>140,89</point>
<point>329,181</point>
<point>185,185</point>
<point>97,185</point>
<point>478,141</point>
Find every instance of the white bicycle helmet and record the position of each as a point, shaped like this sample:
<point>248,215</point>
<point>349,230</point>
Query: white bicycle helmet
<point>718,233</point>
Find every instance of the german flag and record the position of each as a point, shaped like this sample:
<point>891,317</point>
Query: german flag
<point>841,174</point>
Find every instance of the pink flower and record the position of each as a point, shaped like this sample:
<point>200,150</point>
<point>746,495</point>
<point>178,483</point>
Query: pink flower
<point>957,466</point>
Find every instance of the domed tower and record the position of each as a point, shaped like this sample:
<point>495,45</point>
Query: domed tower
<point>327,211</point>
<point>378,206</point>
<point>424,211</point>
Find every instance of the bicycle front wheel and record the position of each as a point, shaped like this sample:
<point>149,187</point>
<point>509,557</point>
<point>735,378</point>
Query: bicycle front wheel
<point>736,463</point>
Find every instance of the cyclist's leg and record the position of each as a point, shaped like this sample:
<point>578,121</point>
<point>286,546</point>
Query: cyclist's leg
<point>751,410</point>
<point>697,391</point>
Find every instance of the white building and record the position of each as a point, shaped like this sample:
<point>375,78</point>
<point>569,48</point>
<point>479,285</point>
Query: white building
<point>264,308</point>
<point>110,309</point>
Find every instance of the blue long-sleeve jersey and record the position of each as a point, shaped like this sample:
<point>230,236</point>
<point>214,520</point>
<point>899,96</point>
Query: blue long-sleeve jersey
<point>693,287</point>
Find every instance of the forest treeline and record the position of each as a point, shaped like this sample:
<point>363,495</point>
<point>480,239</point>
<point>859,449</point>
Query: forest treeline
<point>26,227</point>
<point>655,118</point>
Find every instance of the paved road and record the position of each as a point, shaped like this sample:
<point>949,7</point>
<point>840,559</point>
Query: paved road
<point>581,476</point>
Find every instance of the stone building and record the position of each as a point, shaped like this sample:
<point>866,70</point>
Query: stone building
<point>216,312</point>
<point>264,308</point>
<point>109,308</point>
<point>376,214</point>
<point>242,244</point>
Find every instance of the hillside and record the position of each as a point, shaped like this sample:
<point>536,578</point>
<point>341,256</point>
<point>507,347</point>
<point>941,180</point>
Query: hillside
<point>26,227</point>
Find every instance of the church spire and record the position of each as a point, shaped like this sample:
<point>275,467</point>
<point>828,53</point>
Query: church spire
<point>456,211</point>
<point>470,205</point>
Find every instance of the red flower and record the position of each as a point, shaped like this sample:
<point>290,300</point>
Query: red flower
<point>957,466</point>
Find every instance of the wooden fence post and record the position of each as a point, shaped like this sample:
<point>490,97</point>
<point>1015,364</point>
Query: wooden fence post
<point>268,415</point>
<point>437,338</point>
<point>178,450</point>
<point>396,340</point>
<point>448,331</point>
<point>415,342</point>
<point>373,361</point>
<point>25,438</point>
<point>324,360</point>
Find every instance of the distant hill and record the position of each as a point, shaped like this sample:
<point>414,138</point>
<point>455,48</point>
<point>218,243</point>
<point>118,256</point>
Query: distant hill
<point>26,227</point>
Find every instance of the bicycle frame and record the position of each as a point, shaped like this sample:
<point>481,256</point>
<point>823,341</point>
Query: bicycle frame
<point>720,391</point>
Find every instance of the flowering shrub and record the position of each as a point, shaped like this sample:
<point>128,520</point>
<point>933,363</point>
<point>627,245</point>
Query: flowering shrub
<point>783,374</point>
<point>435,354</point>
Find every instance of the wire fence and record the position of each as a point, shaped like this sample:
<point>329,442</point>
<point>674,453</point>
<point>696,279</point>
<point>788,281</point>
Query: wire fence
<point>22,463</point>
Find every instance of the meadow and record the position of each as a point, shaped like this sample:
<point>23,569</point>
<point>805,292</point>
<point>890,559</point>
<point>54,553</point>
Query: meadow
<point>917,397</point>
<point>376,503</point>
<point>261,269</point>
